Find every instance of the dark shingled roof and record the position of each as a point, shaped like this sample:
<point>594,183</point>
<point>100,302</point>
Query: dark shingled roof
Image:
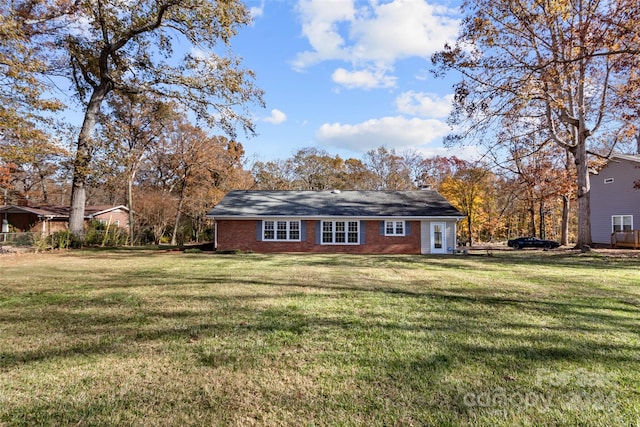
<point>251,204</point>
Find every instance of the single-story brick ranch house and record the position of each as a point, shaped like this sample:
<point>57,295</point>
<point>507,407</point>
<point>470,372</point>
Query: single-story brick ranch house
<point>49,219</point>
<point>372,222</point>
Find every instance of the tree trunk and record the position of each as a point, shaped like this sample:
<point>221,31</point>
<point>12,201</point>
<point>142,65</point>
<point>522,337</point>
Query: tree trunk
<point>43,186</point>
<point>542,231</point>
<point>582,166</point>
<point>130,206</point>
<point>183,186</point>
<point>584,191</point>
<point>174,240</point>
<point>78,194</point>
<point>532,219</point>
<point>566,206</point>
<point>82,161</point>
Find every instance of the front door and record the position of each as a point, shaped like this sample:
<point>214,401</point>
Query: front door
<point>438,238</point>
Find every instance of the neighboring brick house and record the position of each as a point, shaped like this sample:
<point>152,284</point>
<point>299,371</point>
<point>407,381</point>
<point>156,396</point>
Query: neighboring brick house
<point>615,203</point>
<point>49,219</point>
<point>373,222</point>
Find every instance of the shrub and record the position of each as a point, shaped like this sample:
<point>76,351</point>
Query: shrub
<point>98,234</point>
<point>63,239</point>
<point>24,239</point>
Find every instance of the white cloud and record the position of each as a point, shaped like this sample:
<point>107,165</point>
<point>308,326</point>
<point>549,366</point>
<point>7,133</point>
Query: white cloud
<point>257,11</point>
<point>373,36</point>
<point>392,132</point>
<point>403,28</point>
<point>320,27</point>
<point>276,117</point>
<point>364,79</point>
<point>424,104</point>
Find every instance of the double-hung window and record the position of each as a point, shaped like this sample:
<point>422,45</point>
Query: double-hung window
<point>394,228</point>
<point>340,232</point>
<point>281,230</point>
<point>622,222</point>
<point>105,222</point>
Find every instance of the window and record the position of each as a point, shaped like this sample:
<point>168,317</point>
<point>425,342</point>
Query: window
<point>394,228</point>
<point>437,236</point>
<point>281,230</point>
<point>609,180</point>
<point>622,222</point>
<point>341,232</point>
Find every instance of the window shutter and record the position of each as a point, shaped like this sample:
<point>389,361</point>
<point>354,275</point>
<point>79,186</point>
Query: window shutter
<point>363,225</point>
<point>407,228</point>
<point>303,230</point>
<point>318,233</point>
<point>259,230</point>
<point>382,225</point>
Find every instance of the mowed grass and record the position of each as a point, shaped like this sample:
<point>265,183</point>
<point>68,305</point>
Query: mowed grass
<point>148,338</point>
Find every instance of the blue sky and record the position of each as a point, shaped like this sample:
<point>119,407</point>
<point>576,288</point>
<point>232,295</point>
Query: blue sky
<point>348,76</point>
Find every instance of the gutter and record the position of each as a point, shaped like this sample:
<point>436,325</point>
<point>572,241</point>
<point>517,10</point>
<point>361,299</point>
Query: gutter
<point>320,217</point>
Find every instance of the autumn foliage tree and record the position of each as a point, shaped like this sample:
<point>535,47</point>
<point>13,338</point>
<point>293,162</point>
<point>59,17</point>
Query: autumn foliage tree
<point>467,188</point>
<point>388,170</point>
<point>110,46</point>
<point>567,66</point>
<point>316,169</point>
<point>131,131</point>
<point>32,164</point>
<point>273,175</point>
<point>23,103</point>
<point>26,150</point>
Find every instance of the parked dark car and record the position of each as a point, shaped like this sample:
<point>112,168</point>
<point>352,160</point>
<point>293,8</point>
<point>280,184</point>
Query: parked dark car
<point>532,242</point>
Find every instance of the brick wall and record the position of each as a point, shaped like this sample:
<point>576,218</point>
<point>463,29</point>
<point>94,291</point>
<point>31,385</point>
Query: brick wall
<point>242,235</point>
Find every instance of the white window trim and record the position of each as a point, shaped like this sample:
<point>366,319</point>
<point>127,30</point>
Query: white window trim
<point>622,217</point>
<point>609,180</point>
<point>106,222</point>
<point>333,232</point>
<point>395,228</point>
<point>275,230</point>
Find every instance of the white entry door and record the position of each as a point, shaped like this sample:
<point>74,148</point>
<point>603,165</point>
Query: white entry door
<point>438,238</point>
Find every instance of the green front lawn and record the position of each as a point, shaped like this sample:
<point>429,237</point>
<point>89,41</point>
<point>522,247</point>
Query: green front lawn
<point>148,338</point>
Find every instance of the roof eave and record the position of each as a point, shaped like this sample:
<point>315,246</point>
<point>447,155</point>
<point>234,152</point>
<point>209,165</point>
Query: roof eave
<point>89,216</point>
<point>317,217</point>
